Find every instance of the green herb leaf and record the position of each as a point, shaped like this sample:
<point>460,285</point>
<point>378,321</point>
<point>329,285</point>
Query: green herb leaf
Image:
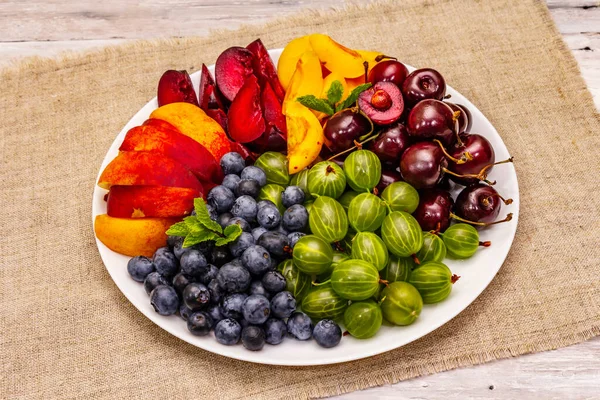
<point>193,225</point>
<point>231,232</point>
<point>203,217</point>
<point>335,93</point>
<point>195,238</point>
<point>312,102</point>
<point>351,99</point>
<point>178,229</point>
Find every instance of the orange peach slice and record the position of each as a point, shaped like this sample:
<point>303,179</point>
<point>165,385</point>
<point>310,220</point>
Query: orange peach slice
<point>133,237</point>
<point>305,137</point>
<point>306,80</point>
<point>337,58</point>
<point>286,66</point>
<point>150,201</point>
<point>193,122</point>
<point>146,168</point>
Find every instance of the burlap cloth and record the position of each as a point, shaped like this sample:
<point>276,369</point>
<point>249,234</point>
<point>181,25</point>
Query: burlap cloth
<point>67,331</point>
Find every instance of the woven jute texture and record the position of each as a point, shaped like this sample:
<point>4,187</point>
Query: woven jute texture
<point>67,331</point>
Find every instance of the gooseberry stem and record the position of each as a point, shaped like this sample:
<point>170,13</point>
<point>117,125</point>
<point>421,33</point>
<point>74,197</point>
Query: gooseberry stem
<point>356,145</point>
<point>506,219</point>
<point>384,282</point>
<point>338,246</point>
<point>466,156</point>
<point>416,259</point>
<point>454,278</point>
<point>320,283</point>
<point>487,243</point>
<point>382,299</point>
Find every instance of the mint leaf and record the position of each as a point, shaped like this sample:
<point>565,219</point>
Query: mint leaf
<point>312,102</point>
<point>351,99</point>
<point>335,92</point>
<point>193,225</point>
<point>231,232</point>
<point>203,217</point>
<point>178,229</point>
<point>195,238</point>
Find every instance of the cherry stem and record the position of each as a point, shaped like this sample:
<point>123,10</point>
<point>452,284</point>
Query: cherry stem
<point>366,65</point>
<point>475,176</point>
<point>447,96</point>
<point>357,145</point>
<point>487,243</point>
<point>466,156</point>
<point>455,116</point>
<point>416,259</point>
<point>456,217</point>
<point>382,57</point>
<point>320,283</point>
<point>454,278</point>
<point>484,170</point>
<point>486,201</point>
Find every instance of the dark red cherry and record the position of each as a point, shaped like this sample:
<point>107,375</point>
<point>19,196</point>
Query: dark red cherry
<point>387,178</point>
<point>468,115</point>
<point>388,71</point>
<point>421,84</point>
<point>462,119</point>
<point>479,203</point>
<point>423,164</point>
<point>433,212</point>
<point>390,144</point>
<point>382,103</point>
<point>431,119</point>
<point>344,127</point>
<point>479,153</point>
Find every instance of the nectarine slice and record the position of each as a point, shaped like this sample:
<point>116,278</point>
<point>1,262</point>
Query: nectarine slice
<point>286,66</point>
<point>133,236</point>
<point>245,116</point>
<point>147,168</point>
<point>305,137</point>
<point>150,201</point>
<point>160,124</point>
<point>337,58</point>
<point>193,122</point>
<point>306,80</point>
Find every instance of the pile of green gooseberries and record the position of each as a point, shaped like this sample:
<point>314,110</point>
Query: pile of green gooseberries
<point>365,259</point>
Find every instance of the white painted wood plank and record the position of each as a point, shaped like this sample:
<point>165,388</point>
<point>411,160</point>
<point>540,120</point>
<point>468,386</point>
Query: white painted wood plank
<point>572,3</point>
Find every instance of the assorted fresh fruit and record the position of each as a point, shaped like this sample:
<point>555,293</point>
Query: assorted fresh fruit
<point>286,201</point>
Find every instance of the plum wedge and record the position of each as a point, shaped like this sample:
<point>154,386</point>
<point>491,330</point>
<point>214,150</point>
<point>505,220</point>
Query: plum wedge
<point>245,117</point>
<point>264,69</point>
<point>232,68</point>
<point>175,87</point>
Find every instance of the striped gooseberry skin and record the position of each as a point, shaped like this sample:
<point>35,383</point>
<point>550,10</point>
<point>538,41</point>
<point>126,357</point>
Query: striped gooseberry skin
<point>461,240</point>
<point>433,248</point>
<point>301,180</point>
<point>338,257</point>
<point>401,303</point>
<point>323,302</point>
<point>355,280</point>
<point>401,196</point>
<point>308,205</point>
<point>272,192</point>
<point>297,283</point>
<point>312,255</point>
<point>433,280</point>
<point>369,247</point>
<point>362,319</point>
<point>366,212</point>
<point>398,269</point>
<point>363,170</point>
<point>346,198</point>
<point>327,219</point>
<point>326,178</point>
<point>275,166</point>
<point>401,234</point>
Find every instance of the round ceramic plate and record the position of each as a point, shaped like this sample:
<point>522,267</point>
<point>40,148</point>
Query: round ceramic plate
<point>476,273</point>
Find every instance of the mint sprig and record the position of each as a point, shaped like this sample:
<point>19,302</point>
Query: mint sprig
<point>351,99</point>
<point>200,228</point>
<point>333,103</point>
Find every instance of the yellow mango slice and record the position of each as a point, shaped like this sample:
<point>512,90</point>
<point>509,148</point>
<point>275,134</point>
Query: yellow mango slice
<point>286,66</point>
<point>337,58</point>
<point>305,137</point>
<point>307,79</point>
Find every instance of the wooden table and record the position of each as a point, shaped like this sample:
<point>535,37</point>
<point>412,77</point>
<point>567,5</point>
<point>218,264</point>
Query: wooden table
<point>48,27</point>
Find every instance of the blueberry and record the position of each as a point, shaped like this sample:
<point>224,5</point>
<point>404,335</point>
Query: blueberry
<point>228,332</point>
<point>256,287</point>
<point>231,307</point>
<point>180,281</point>
<point>281,229</point>
<point>220,255</point>
<point>173,240</point>
<point>199,323</point>
<point>232,163</point>
<point>274,282</point>
<point>193,263</point>
<point>253,338</point>
<point>300,326</point>
<point>257,260</point>
<point>244,323</point>
<point>245,207</point>
<point>268,216</point>
<point>210,274</point>
<point>327,333</point>
<point>275,331</point>
<point>294,237</point>
<point>139,268</point>
<point>196,296</point>
<point>292,195</point>
<point>237,261</point>
<point>214,310</point>
<point>221,198</point>
<point>212,212</point>
<point>165,262</point>
<point>164,299</point>
<point>153,280</point>
<point>184,312</point>
<point>204,247</point>
<point>255,173</point>
<point>283,304</point>
<point>295,218</point>
<point>231,181</point>
<point>276,243</point>
<point>178,248</point>
<point>240,244</point>
<point>248,187</point>
<point>224,219</point>
<point>257,232</point>
<point>256,309</point>
<point>264,203</point>
<point>233,278</point>
<point>241,222</point>
<point>216,293</point>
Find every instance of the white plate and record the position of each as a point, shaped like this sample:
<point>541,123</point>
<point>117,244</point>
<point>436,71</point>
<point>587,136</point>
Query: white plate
<point>476,273</point>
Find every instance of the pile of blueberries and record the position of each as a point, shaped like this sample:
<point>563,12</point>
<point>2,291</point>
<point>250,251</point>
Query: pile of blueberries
<point>235,289</point>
